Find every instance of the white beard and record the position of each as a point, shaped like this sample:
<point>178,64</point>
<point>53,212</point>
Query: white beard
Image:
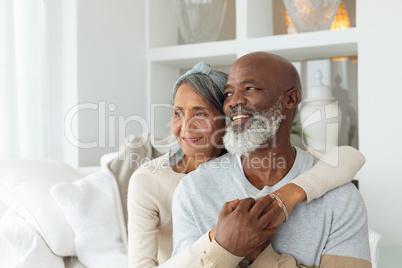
<point>258,131</point>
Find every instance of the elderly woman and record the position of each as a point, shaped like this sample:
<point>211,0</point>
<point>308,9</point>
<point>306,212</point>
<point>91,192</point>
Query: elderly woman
<point>198,123</point>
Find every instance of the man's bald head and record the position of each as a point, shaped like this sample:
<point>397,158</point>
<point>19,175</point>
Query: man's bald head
<point>282,71</point>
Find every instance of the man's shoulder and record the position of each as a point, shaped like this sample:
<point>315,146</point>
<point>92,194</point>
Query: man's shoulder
<point>346,191</point>
<point>208,174</point>
<point>345,199</point>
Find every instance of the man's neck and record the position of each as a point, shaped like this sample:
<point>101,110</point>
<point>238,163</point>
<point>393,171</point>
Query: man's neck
<point>268,166</point>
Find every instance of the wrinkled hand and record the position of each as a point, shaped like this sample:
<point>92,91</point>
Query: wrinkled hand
<point>254,254</point>
<point>291,195</point>
<point>233,204</point>
<point>243,229</point>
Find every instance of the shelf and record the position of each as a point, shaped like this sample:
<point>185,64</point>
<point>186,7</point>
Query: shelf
<point>294,47</point>
<point>185,56</point>
<point>308,46</point>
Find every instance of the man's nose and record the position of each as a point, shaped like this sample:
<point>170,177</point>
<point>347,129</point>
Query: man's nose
<point>236,99</point>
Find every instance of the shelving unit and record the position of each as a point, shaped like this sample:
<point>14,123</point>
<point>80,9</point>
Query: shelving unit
<point>246,28</point>
<point>249,26</point>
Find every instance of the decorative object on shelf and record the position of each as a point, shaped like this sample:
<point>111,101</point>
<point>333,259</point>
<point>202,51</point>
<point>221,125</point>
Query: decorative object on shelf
<point>341,20</point>
<point>200,20</point>
<point>290,28</point>
<point>320,117</point>
<point>311,15</point>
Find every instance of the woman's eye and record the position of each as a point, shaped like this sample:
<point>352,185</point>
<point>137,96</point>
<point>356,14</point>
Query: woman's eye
<point>178,114</point>
<point>200,114</point>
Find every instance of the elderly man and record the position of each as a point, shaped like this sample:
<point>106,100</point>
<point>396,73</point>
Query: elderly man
<point>261,98</point>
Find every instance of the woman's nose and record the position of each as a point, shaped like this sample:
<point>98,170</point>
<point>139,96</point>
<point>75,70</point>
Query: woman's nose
<point>187,123</point>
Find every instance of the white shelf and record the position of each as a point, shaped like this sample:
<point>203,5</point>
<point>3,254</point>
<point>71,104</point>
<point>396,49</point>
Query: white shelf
<point>184,56</point>
<point>312,45</point>
<point>249,27</point>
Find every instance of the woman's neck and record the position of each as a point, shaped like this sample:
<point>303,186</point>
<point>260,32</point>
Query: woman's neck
<point>191,163</point>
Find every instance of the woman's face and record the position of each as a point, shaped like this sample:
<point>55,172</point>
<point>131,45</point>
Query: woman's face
<point>197,126</point>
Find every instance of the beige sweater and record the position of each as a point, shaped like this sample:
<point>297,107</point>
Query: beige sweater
<point>150,196</point>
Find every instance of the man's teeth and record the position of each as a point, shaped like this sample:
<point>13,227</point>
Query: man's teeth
<point>236,117</point>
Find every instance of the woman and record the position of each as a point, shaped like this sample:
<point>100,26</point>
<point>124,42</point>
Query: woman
<point>198,123</point>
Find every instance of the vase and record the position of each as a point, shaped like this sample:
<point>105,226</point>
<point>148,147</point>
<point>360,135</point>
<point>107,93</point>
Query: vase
<point>200,20</point>
<point>311,15</point>
<point>320,117</point>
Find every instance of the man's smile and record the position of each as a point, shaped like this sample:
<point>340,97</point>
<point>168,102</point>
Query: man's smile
<point>239,118</point>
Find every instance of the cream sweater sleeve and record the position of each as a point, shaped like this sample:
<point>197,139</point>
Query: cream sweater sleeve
<point>336,167</point>
<point>146,198</point>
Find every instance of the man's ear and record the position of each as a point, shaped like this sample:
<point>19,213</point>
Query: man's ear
<point>292,99</point>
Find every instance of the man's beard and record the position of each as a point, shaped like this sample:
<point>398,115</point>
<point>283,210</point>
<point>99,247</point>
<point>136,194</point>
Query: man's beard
<point>257,131</point>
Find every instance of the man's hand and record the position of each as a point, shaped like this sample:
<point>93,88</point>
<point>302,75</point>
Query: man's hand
<point>254,254</point>
<point>243,230</point>
<point>233,204</point>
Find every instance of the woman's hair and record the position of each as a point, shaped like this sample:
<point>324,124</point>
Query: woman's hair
<point>207,83</point>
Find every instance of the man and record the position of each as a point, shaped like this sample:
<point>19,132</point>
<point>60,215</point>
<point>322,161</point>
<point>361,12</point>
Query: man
<point>261,98</point>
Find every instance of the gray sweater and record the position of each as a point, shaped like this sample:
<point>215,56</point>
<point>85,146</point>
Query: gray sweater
<point>335,224</point>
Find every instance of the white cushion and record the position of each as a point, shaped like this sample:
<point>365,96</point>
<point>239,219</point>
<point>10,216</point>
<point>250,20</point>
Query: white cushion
<point>21,245</point>
<point>25,185</point>
<point>92,207</point>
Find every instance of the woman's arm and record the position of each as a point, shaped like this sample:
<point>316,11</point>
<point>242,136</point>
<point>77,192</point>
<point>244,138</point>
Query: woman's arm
<point>143,220</point>
<point>145,198</point>
<point>336,167</point>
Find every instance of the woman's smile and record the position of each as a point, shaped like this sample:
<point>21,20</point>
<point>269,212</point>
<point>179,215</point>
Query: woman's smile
<point>191,140</point>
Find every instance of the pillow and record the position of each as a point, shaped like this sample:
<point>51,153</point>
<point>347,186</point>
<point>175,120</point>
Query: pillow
<point>21,245</point>
<point>135,151</point>
<point>92,207</point>
<point>25,185</point>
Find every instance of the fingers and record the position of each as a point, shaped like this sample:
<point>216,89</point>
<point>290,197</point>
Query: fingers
<point>245,204</point>
<point>226,209</point>
<point>269,233</point>
<point>234,203</point>
<point>260,206</point>
<point>270,217</point>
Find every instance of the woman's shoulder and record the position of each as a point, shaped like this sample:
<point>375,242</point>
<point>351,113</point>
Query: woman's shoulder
<point>154,169</point>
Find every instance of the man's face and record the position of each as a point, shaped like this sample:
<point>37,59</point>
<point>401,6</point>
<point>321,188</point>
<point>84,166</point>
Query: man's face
<point>253,106</point>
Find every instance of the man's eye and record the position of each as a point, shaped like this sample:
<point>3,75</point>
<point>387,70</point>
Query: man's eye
<point>178,114</point>
<point>200,114</point>
<point>228,94</point>
<point>250,88</point>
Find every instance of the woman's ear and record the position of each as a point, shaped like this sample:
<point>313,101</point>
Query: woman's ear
<point>292,99</point>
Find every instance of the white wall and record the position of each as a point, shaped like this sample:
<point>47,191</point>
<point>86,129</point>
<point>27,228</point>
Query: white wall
<point>379,74</point>
<point>110,69</point>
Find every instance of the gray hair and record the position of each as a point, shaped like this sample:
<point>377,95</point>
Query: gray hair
<point>207,83</point>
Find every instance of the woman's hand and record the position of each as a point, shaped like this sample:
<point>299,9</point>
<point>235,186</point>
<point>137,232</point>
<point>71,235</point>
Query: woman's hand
<point>291,195</point>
